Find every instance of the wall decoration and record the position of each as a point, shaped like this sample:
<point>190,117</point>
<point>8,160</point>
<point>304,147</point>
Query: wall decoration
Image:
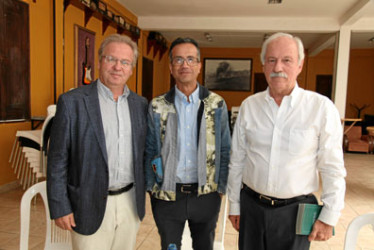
<point>158,42</point>
<point>86,2</point>
<point>84,56</point>
<point>228,73</point>
<point>102,7</point>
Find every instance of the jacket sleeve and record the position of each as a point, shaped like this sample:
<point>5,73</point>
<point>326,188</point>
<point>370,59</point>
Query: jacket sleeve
<point>58,160</point>
<point>150,149</point>
<point>224,151</point>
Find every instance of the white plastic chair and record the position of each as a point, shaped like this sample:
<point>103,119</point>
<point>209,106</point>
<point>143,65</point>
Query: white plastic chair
<point>28,155</point>
<point>56,238</point>
<point>220,230</point>
<point>44,141</point>
<point>354,228</point>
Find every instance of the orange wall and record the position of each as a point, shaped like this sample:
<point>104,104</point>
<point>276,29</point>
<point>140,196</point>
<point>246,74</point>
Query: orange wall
<point>360,79</point>
<point>161,72</point>
<point>235,98</point>
<point>41,80</point>
<point>41,63</point>
<point>322,64</point>
<point>76,16</point>
<point>360,82</point>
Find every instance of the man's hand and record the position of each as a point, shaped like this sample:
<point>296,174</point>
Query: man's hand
<point>235,221</point>
<point>66,222</point>
<point>321,231</point>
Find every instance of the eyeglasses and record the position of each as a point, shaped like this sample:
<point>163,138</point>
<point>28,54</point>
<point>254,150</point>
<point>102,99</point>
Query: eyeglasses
<point>112,61</point>
<point>191,61</point>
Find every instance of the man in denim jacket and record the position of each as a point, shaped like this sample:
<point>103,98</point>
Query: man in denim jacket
<point>187,152</point>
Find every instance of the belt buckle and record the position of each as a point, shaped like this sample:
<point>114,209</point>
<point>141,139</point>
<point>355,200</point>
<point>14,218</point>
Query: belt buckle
<point>267,198</point>
<point>183,191</point>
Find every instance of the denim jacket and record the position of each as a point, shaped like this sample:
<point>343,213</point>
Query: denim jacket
<point>213,144</point>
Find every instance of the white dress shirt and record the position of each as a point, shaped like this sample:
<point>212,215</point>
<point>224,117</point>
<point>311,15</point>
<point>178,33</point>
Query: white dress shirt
<point>187,135</point>
<point>280,151</point>
<point>117,129</point>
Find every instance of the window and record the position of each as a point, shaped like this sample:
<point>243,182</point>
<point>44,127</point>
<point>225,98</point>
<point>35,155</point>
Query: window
<point>14,61</point>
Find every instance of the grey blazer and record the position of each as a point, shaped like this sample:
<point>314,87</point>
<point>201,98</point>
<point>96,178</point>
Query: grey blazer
<point>77,172</point>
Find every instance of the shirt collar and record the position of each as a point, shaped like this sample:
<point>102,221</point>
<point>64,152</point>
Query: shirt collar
<point>293,96</point>
<point>107,93</point>
<point>194,97</point>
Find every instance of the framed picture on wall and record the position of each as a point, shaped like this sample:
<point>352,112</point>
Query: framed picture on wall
<point>232,74</point>
<point>84,53</point>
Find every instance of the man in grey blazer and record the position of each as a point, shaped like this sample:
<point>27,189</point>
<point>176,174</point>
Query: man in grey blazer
<point>95,175</point>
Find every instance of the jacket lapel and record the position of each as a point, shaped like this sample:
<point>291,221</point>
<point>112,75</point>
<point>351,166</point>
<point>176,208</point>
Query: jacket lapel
<point>91,101</point>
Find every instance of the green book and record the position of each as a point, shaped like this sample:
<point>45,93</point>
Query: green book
<point>307,214</point>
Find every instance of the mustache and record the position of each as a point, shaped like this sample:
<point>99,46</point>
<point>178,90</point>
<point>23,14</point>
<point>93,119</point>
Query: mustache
<point>278,74</point>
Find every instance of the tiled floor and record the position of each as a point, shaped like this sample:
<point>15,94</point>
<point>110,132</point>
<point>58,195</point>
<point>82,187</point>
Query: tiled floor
<point>359,200</point>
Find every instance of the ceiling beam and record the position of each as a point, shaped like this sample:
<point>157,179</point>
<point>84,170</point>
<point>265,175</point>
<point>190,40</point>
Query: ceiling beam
<point>323,43</point>
<point>263,24</point>
<point>355,13</point>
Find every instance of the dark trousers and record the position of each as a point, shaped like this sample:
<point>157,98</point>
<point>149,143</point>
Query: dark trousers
<point>200,212</point>
<point>265,227</point>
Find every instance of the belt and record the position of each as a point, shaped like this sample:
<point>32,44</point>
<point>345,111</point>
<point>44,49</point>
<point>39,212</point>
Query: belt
<point>271,201</point>
<point>187,188</point>
<point>121,190</point>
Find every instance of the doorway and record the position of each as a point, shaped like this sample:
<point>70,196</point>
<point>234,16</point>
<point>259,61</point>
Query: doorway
<point>324,85</point>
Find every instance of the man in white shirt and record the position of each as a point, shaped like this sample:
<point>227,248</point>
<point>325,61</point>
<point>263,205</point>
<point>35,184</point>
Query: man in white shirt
<point>284,139</point>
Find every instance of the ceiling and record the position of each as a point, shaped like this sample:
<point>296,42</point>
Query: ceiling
<point>244,23</point>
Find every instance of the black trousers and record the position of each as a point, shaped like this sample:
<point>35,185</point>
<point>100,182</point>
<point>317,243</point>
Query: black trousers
<point>265,227</point>
<point>200,212</point>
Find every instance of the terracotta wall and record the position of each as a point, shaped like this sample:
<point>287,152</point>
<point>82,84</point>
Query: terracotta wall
<point>74,15</point>
<point>360,79</point>
<point>235,98</point>
<point>161,72</point>
<point>322,64</point>
<point>360,82</point>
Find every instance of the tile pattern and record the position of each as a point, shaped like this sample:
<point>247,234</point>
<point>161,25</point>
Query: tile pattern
<point>359,200</point>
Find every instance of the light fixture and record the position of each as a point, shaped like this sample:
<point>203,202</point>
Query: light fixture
<point>274,1</point>
<point>208,37</point>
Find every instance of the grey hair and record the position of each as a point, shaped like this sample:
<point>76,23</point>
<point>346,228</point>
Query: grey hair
<point>298,41</point>
<point>116,38</point>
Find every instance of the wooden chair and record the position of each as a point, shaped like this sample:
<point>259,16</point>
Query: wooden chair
<point>354,141</point>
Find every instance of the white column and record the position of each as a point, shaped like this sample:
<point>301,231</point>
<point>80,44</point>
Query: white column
<point>342,50</point>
